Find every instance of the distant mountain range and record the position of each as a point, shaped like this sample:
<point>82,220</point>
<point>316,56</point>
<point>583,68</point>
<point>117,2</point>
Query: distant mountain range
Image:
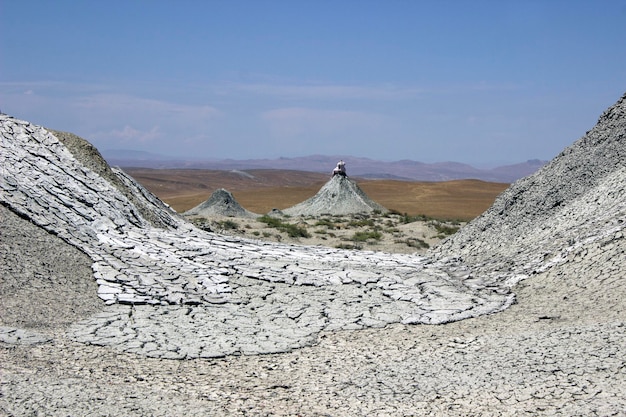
<point>406,170</point>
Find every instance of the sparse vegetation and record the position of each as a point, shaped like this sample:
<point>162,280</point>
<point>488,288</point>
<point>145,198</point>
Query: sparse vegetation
<point>389,231</point>
<point>362,223</point>
<point>228,225</point>
<point>292,230</point>
<point>395,232</point>
<point>411,219</point>
<point>325,222</point>
<point>444,230</point>
<point>364,236</point>
<point>270,221</point>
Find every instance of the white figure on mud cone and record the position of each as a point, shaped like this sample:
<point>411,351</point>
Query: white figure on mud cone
<point>340,169</point>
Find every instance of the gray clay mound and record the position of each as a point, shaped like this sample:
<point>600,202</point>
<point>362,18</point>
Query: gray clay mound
<point>576,199</point>
<point>339,196</point>
<point>141,198</point>
<point>220,203</point>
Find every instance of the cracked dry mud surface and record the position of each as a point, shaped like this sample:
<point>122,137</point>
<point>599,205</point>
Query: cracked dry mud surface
<point>162,285</point>
<point>554,353</point>
<point>198,339</point>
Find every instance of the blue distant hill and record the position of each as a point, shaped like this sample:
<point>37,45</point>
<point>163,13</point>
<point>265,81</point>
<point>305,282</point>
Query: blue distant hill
<point>407,170</point>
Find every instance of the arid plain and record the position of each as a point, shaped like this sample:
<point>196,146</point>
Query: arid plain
<point>262,190</point>
<point>421,213</point>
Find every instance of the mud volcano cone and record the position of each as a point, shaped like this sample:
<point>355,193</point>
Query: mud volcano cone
<point>221,203</point>
<point>338,196</point>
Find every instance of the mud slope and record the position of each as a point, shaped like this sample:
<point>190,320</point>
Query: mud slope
<point>339,196</point>
<point>576,199</point>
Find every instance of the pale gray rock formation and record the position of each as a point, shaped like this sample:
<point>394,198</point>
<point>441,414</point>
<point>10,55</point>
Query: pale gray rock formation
<point>220,203</point>
<point>275,213</point>
<point>339,196</point>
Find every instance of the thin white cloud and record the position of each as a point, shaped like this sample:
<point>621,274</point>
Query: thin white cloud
<point>130,134</point>
<point>267,118</point>
<point>52,88</point>
<point>122,102</point>
<point>387,92</point>
<point>324,91</point>
<point>134,122</point>
<point>21,85</point>
<point>111,120</point>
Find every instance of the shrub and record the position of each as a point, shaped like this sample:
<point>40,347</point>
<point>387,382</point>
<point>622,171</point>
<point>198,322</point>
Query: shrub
<point>445,230</point>
<point>228,225</point>
<point>325,222</point>
<point>361,223</point>
<point>410,219</point>
<point>270,221</point>
<point>291,229</point>
<point>364,236</point>
<point>294,231</point>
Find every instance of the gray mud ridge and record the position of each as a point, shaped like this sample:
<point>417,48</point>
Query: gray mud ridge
<point>221,203</point>
<point>339,196</point>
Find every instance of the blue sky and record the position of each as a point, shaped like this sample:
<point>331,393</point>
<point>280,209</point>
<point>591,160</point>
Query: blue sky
<point>480,82</point>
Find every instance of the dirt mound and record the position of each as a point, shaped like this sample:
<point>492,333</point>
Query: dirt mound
<point>339,196</point>
<point>91,158</point>
<point>220,203</point>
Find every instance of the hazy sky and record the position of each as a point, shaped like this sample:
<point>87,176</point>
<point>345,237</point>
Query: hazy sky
<point>480,82</point>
